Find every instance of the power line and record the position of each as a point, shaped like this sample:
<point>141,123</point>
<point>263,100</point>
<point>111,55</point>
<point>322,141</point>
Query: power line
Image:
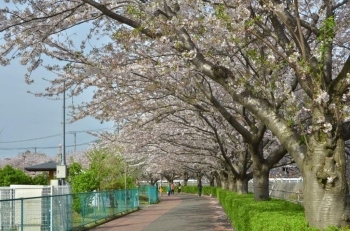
<point>26,148</point>
<point>40,138</point>
<point>90,130</point>
<point>45,137</point>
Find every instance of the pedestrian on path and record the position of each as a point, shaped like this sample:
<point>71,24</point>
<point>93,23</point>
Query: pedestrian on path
<point>169,189</point>
<point>179,188</point>
<point>160,189</point>
<point>200,188</point>
<point>172,188</point>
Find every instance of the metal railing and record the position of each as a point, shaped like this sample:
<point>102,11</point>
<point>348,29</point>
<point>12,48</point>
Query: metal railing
<point>63,212</point>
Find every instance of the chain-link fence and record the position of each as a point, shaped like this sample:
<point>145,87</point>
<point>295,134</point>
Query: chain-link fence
<point>150,192</point>
<point>60,212</point>
<point>91,207</point>
<point>25,207</point>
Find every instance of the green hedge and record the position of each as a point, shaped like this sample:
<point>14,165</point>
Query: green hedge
<point>246,214</point>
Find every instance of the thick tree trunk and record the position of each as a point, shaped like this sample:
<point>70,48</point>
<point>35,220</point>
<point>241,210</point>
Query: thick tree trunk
<point>261,181</point>
<point>325,186</point>
<point>232,182</point>
<point>242,185</point>
<point>224,180</point>
<point>261,172</point>
<point>224,184</point>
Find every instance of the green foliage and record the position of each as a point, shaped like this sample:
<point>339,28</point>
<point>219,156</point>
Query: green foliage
<point>326,35</point>
<point>132,10</point>
<point>290,122</point>
<point>189,189</point>
<point>41,179</point>
<point>75,177</point>
<point>84,182</point>
<point>194,190</point>
<point>249,22</point>
<point>303,139</point>
<point>75,169</point>
<point>109,169</point>
<point>105,172</point>
<point>220,13</point>
<point>246,214</point>
<point>327,32</point>
<point>10,175</point>
<point>81,181</point>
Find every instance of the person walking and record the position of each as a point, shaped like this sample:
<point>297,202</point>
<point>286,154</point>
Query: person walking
<point>160,190</point>
<point>169,189</point>
<point>179,188</point>
<point>172,188</point>
<point>200,188</point>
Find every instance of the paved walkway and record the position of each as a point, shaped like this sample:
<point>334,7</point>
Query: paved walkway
<point>183,212</point>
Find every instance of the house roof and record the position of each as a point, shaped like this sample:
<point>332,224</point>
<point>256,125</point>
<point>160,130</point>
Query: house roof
<point>48,166</point>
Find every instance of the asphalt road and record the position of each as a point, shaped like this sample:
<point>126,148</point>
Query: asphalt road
<point>183,212</point>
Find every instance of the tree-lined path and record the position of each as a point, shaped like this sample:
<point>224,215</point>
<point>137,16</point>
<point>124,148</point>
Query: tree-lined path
<point>178,212</point>
<point>223,91</point>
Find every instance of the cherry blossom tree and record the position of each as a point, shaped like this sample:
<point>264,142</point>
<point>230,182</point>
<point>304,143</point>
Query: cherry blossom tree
<point>27,159</point>
<point>258,51</point>
<point>319,150</point>
<point>185,139</point>
<point>253,131</point>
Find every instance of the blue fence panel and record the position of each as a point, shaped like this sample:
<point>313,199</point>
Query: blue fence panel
<point>151,192</point>
<point>64,212</point>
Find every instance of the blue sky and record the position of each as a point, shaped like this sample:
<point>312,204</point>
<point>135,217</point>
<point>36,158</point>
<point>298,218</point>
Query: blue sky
<point>26,117</point>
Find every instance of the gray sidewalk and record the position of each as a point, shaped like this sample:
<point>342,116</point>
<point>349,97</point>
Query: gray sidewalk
<point>183,212</point>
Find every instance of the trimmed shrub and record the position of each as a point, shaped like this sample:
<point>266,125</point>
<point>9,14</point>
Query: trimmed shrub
<point>246,214</point>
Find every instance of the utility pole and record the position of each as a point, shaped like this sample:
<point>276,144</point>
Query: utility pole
<point>75,140</point>
<point>61,170</point>
<point>63,162</point>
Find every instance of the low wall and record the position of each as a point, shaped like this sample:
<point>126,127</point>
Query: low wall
<point>290,189</point>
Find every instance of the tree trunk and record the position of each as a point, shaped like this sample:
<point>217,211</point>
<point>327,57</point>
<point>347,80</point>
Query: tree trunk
<point>325,186</point>
<point>212,182</point>
<point>242,185</point>
<point>232,182</point>
<point>261,182</point>
<point>212,179</point>
<point>224,180</point>
<point>218,180</point>
<point>185,182</point>
<point>261,172</point>
<point>186,177</point>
